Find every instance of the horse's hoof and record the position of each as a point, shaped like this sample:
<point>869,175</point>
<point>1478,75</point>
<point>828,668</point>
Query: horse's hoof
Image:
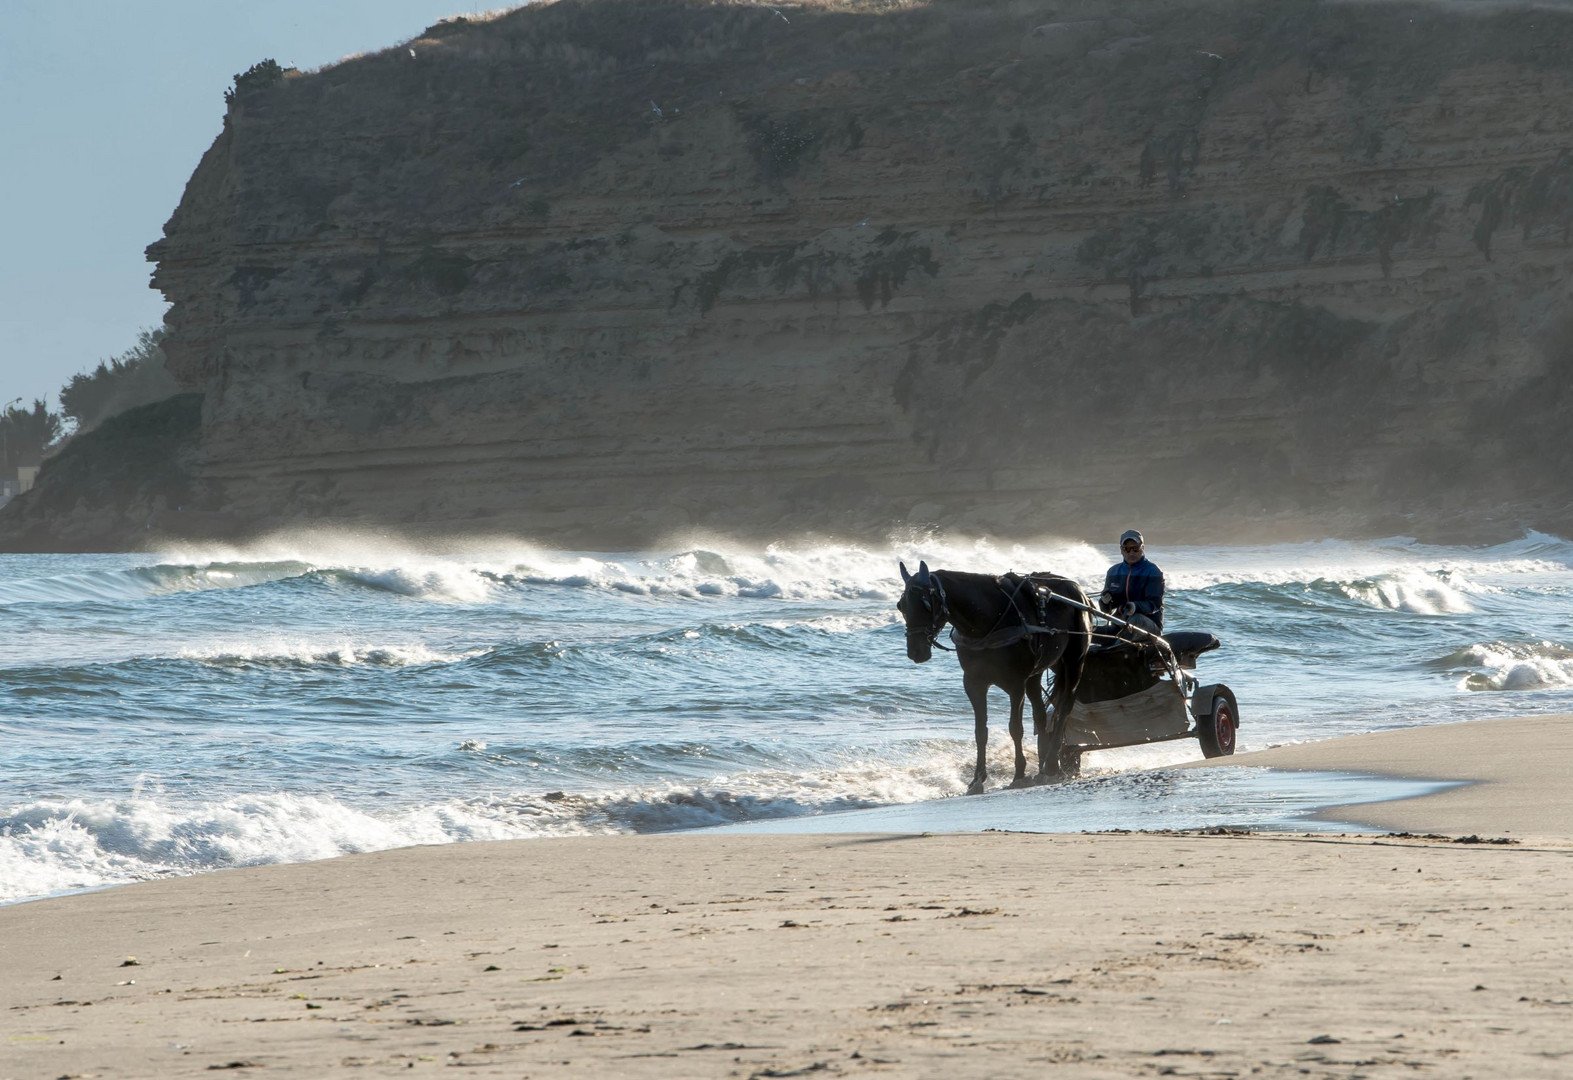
<point>975,788</point>
<point>1049,778</point>
<point>1021,782</point>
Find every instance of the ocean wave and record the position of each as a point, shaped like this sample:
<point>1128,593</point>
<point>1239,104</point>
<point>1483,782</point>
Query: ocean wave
<point>1398,574</point>
<point>52,846</point>
<point>1350,562</point>
<point>49,847</point>
<point>109,675</point>
<point>145,582</point>
<point>284,653</point>
<point>472,569</point>
<point>823,634</point>
<point>1539,665</point>
<point>444,583</point>
<point>1414,592</point>
<point>772,635</point>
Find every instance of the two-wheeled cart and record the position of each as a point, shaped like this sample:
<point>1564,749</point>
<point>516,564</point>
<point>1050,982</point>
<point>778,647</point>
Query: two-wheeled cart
<point>1138,687</point>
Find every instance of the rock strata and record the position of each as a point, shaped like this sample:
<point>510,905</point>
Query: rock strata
<point>601,271</point>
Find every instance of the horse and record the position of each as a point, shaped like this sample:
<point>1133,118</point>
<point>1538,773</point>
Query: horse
<point>1007,634</point>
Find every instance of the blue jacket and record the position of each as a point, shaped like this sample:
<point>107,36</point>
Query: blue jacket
<point>1140,583</point>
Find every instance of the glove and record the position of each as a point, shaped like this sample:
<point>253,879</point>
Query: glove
<point>1106,601</point>
<point>1127,610</point>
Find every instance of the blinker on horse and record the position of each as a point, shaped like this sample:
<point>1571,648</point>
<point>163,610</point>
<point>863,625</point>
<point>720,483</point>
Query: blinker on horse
<point>1008,631</point>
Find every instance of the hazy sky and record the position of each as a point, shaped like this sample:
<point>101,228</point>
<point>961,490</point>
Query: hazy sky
<point>105,108</point>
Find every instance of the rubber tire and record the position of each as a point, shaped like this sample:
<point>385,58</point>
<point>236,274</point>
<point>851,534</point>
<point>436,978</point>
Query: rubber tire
<point>1217,732</point>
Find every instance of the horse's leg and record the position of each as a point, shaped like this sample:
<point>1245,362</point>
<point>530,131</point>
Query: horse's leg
<point>1016,733</point>
<point>978,694</point>
<point>1063,699</point>
<point>1040,721</point>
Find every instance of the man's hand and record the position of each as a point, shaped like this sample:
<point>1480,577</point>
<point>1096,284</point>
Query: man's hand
<point>1106,601</point>
<point>1127,609</point>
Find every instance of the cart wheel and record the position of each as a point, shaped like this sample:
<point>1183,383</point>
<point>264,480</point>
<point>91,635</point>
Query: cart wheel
<point>1216,731</point>
<point>1070,762</point>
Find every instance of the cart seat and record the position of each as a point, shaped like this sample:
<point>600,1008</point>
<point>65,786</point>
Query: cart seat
<point>1189,644</point>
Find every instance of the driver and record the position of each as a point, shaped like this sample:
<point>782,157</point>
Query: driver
<point>1133,587</point>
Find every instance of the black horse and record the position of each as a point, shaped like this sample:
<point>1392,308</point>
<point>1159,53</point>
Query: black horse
<point>1007,634</point>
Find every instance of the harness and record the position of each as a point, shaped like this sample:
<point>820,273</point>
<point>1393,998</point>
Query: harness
<point>1031,628</point>
<point>1029,625</point>
<point>938,616</point>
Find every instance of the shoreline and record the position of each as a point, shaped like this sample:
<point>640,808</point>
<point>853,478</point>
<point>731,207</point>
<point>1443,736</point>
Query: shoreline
<point>1516,779</point>
<point>986,954</point>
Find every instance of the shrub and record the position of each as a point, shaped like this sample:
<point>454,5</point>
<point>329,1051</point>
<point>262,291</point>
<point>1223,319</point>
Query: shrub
<point>24,434</point>
<point>135,377</point>
<point>258,76</point>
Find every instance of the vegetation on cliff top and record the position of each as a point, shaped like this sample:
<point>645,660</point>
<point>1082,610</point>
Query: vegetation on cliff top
<point>135,377</point>
<point>24,435</point>
<point>132,379</point>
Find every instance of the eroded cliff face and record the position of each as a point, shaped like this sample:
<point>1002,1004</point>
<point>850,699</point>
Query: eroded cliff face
<point>599,271</point>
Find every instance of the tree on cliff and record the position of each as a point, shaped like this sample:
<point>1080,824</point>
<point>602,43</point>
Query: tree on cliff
<point>135,377</point>
<point>259,76</point>
<point>24,433</point>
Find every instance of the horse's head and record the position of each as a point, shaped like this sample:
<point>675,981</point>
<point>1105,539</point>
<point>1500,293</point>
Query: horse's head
<point>922,605</point>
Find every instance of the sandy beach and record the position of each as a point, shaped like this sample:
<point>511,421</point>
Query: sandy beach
<point>980,955</point>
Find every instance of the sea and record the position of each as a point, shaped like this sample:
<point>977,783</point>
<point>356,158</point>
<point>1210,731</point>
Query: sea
<point>316,694</point>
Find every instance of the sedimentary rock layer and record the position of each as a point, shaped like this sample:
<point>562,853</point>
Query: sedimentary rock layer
<point>600,270</point>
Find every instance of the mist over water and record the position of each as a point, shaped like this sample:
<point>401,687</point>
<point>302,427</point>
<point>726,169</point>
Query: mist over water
<point>314,695</point>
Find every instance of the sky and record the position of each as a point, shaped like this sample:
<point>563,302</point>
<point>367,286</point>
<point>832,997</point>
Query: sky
<point>105,108</point>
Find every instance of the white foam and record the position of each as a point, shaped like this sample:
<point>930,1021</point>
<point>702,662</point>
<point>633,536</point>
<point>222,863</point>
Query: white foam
<point>466,568</point>
<point>1413,591</point>
<point>839,624</point>
<point>1398,573</point>
<point>1538,666</point>
<point>822,572</point>
<point>1350,562</point>
<point>444,582</point>
<point>279,651</point>
<point>1139,758</point>
<point>51,846</point>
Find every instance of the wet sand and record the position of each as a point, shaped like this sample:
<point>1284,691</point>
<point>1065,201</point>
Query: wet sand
<point>982,955</point>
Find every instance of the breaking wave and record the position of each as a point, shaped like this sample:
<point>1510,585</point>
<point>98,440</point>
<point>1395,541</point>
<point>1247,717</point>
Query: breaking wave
<point>306,654</point>
<point>1500,665</point>
<point>143,582</point>
<point>1414,592</point>
<point>1398,574</point>
<point>50,846</point>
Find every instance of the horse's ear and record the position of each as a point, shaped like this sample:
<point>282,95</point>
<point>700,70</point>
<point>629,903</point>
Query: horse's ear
<point>906,578</point>
<point>923,570</point>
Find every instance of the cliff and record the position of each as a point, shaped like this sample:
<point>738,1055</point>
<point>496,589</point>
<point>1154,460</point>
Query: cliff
<point>600,270</point>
